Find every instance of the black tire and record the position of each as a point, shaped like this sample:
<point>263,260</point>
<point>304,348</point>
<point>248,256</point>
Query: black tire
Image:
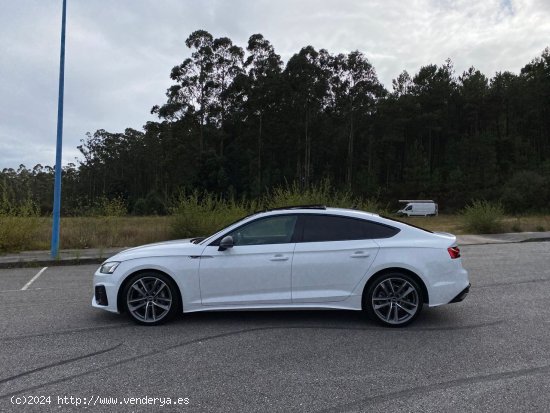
<point>394,306</point>
<point>155,298</point>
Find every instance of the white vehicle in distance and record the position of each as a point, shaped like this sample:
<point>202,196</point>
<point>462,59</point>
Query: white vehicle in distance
<point>309,257</point>
<point>423,208</point>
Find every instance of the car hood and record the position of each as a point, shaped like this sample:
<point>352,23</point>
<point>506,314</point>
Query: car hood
<point>181,247</point>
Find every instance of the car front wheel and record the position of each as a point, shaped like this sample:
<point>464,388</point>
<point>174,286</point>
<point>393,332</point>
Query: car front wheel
<point>151,298</point>
<point>393,300</point>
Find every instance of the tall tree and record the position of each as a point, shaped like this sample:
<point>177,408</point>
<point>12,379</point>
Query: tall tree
<point>356,89</point>
<point>308,81</point>
<point>192,94</point>
<point>227,65</point>
<point>264,74</point>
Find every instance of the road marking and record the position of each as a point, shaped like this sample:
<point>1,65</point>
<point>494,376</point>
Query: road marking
<point>33,279</point>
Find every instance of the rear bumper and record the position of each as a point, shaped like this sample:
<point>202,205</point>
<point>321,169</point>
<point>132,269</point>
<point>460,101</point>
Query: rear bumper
<point>448,285</point>
<point>462,295</point>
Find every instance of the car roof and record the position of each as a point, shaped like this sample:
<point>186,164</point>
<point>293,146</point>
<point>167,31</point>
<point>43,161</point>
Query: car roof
<point>345,212</point>
<point>316,209</point>
<point>319,210</point>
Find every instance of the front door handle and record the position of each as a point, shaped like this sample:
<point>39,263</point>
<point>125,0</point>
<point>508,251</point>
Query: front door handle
<point>279,257</point>
<point>360,254</point>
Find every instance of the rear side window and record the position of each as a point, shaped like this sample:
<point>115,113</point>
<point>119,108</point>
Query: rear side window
<point>319,228</point>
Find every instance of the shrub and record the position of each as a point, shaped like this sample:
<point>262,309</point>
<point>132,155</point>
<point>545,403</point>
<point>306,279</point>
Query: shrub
<point>151,205</point>
<point>525,191</point>
<point>372,205</point>
<point>140,207</point>
<point>18,225</point>
<point>320,194</point>
<point>115,207</point>
<point>203,214</point>
<point>154,205</point>
<point>483,217</point>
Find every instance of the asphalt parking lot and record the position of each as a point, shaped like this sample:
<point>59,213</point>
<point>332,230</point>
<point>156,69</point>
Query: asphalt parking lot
<point>489,353</point>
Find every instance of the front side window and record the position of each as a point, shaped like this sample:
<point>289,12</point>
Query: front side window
<point>271,230</point>
<point>320,228</point>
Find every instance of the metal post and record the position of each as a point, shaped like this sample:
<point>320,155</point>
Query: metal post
<point>57,186</point>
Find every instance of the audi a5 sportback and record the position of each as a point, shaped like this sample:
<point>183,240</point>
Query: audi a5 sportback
<point>309,257</point>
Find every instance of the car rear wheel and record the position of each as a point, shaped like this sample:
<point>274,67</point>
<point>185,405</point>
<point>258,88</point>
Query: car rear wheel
<point>393,299</point>
<point>151,298</point>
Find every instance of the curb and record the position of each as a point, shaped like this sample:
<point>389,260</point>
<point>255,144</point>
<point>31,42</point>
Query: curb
<point>500,242</point>
<point>536,240</point>
<point>50,263</point>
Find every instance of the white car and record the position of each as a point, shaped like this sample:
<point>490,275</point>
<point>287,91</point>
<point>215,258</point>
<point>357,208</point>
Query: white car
<point>309,257</point>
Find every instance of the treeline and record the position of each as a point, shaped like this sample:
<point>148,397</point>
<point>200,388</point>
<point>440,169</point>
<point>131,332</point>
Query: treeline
<point>237,122</point>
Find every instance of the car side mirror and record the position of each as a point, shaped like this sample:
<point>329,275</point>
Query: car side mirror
<point>226,242</point>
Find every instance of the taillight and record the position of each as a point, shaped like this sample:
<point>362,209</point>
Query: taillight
<point>454,252</point>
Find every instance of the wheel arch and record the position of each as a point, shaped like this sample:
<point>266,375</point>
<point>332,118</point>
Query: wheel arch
<point>120,299</point>
<point>416,277</point>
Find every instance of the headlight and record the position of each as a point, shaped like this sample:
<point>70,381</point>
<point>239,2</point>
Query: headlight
<point>108,267</point>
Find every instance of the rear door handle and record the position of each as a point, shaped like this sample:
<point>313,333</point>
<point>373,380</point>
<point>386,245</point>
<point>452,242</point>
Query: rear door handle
<point>279,257</point>
<point>360,254</point>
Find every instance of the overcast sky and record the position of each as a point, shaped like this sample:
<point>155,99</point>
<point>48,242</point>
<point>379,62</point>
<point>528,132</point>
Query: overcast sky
<point>120,52</point>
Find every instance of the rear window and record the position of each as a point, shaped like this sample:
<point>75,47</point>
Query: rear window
<point>319,228</point>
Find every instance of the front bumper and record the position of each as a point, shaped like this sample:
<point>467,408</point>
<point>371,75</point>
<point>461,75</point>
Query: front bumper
<point>105,292</point>
<point>100,295</point>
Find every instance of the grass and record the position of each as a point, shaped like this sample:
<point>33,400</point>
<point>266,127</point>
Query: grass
<point>29,233</point>
<point>88,232</point>
<point>455,223</point>
<point>201,214</point>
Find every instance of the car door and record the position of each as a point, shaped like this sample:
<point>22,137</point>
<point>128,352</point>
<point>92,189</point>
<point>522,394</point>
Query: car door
<point>256,270</point>
<point>333,255</point>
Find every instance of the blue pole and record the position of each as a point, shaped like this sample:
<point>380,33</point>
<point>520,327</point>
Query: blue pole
<point>58,150</point>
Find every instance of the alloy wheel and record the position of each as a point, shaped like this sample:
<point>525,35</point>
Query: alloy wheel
<point>149,299</point>
<point>395,300</point>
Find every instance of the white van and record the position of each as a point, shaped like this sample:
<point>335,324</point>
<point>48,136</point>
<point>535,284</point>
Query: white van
<point>418,208</point>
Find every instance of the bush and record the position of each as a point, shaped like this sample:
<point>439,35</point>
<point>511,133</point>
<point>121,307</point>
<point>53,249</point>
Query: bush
<point>483,217</point>
<point>18,225</point>
<point>154,205</point>
<point>151,205</point>
<point>321,194</point>
<point>525,191</point>
<point>115,207</point>
<point>140,207</point>
<point>203,214</point>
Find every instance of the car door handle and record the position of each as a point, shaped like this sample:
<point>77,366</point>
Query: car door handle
<point>279,257</point>
<point>360,254</point>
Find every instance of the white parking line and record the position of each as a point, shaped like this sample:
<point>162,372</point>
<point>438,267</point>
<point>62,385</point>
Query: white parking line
<point>33,279</point>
